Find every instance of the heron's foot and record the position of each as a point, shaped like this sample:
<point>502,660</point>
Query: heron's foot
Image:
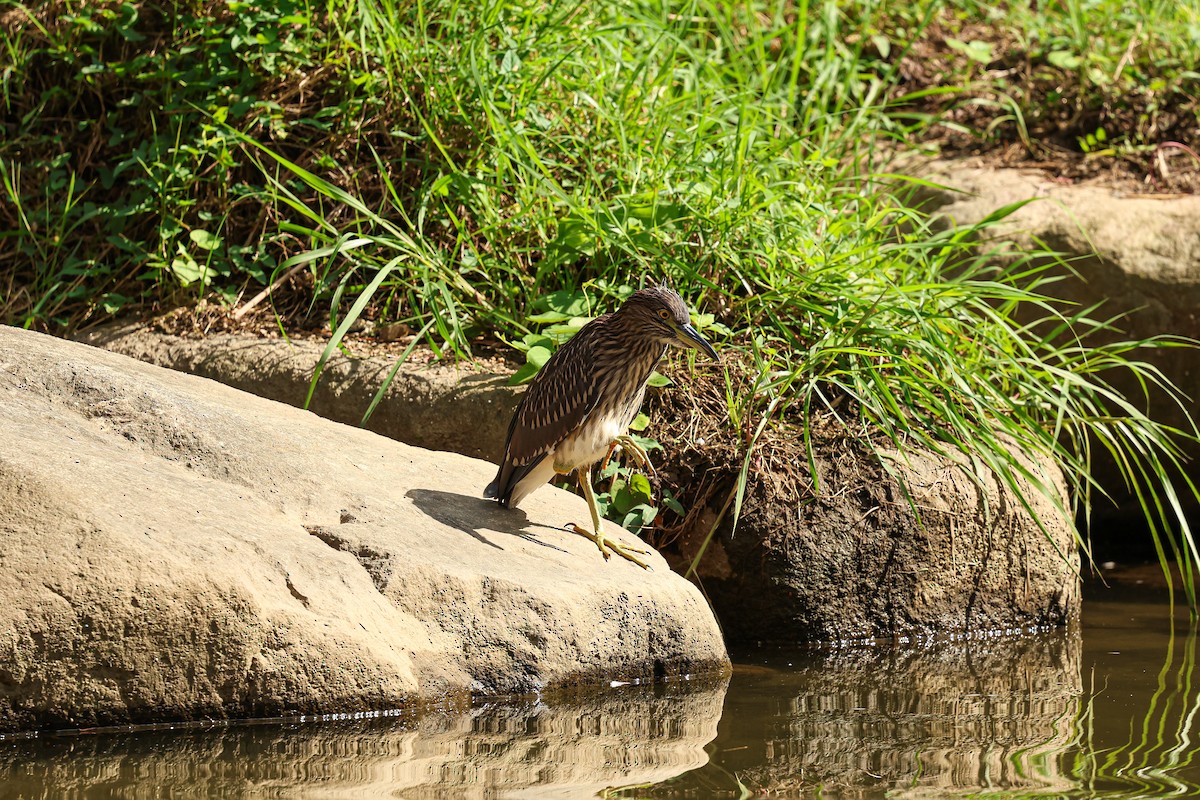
<point>607,546</point>
<point>635,451</point>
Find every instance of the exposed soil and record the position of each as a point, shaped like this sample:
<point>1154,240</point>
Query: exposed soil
<point>366,337</point>
<point>1151,133</point>
<point>703,452</point>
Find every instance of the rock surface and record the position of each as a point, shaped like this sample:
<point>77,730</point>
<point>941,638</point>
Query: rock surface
<point>432,406</point>
<point>171,548</point>
<point>855,562</point>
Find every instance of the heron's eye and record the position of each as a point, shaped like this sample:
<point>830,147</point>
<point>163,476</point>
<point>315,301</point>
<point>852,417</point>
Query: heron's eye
<point>664,314</point>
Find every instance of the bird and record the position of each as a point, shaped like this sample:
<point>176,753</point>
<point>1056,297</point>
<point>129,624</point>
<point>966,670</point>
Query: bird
<point>578,408</point>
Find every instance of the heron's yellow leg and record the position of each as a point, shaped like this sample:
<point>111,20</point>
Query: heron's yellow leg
<point>606,546</point>
<point>636,452</point>
<point>611,448</point>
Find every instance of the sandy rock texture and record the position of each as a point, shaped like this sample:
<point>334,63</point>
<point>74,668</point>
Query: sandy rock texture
<point>434,406</point>
<point>171,548</point>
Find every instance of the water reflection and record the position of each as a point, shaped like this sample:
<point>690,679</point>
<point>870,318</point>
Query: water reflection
<point>1137,730</point>
<point>914,722</point>
<point>1111,714</point>
<point>637,734</point>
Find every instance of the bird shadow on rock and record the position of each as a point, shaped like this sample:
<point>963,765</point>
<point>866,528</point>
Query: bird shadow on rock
<point>473,515</point>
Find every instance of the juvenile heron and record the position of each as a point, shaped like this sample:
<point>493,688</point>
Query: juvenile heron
<point>578,408</point>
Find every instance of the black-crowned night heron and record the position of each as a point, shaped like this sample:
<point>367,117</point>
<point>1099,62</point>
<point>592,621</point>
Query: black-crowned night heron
<point>579,407</point>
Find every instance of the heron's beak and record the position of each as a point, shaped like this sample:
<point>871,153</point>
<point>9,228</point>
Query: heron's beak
<point>690,337</point>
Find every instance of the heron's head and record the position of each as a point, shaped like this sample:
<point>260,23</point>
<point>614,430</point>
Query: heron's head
<point>662,313</point>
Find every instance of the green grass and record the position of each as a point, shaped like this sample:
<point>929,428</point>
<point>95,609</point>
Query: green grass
<point>116,182</point>
<point>454,166</point>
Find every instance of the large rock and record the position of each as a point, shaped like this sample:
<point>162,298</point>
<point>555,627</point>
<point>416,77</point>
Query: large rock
<point>172,548</point>
<point>920,550</point>
<point>1144,249</point>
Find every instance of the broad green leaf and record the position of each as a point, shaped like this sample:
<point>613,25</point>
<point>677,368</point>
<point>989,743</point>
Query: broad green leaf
<point>623,500</point>
<point>547,317</point>
<point>112,302</point>
<point>185,268</point>
<point>570,303</point>
<point>639,487</point>
<point>639,517</point>
<point>670,502</point>
<point>523,374</point>
<point>646,443</point>
<point>205,240</point>
<point>565,330</point>
<point>534,340</point>
<point>537,355</point>
<point>976,50</point>
<point>1063,59</point>
<point>576,236</point>
<point>511,62</point>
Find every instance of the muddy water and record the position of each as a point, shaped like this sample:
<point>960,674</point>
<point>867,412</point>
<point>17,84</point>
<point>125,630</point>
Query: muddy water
<point>1109,711</point>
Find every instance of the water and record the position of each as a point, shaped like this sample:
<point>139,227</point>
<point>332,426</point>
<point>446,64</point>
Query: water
<point>1107,713</point>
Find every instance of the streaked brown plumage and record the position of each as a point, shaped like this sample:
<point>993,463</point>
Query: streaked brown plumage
<point>582,401</point>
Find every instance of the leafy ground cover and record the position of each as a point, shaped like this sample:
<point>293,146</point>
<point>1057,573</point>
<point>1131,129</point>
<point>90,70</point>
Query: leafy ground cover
<point>1081,88</point>
<point>462,172</point>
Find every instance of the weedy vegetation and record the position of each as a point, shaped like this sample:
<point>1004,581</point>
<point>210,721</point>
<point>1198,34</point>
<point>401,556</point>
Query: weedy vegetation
<point>1095,87</point>
<point>508,170</point>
